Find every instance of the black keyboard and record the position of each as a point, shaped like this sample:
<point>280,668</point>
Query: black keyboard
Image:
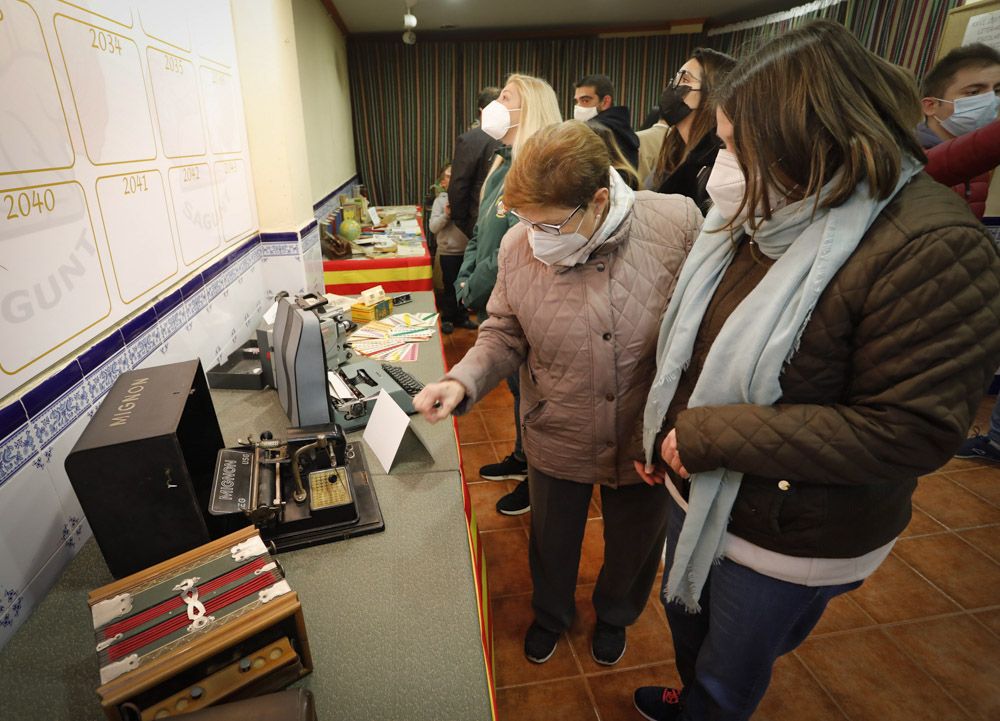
<point>407,382</point>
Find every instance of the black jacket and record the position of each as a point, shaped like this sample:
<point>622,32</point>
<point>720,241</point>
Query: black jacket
<point>691,177</point>
<point>474,151</point>
<point>617,120</point>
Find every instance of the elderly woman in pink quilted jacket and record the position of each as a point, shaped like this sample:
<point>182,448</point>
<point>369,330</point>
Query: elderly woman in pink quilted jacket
<point>582,283</point>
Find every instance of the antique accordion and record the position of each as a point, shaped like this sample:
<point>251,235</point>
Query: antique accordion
<point>219,622</point>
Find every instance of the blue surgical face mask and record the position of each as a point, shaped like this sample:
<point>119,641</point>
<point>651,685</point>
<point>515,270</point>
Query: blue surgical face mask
<point>971,113</point>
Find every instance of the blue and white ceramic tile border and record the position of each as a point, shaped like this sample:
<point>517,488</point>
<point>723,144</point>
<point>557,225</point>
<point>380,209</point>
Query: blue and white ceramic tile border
<point>331,201</point>
<point>30,424</point>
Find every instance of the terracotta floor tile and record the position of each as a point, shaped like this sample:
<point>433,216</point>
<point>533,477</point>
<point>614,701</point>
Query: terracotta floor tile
<point>648,638</point>
<point>565,700</point>
<point>960,656</point>
<point>965,574</point>
<point>471,429</point>
<point>982,479</point>
<point>592,554</point>
<point>952,504</point>
<point>986,539</point>
<point>462,340</point>
<point>794,694</point>
<point>896,593</point>
<point>506,561</point>
<point>961,464</point>
<point>500,426</point>
<point>874,680</point>
<point>654,594</point>
<point>613,691</point>
<point>485,495</point>
<point>843,614</point>
<point>984,411</point>
<point>990,619</point>
<point>499,397</point>
<point>474,457</point>
<point>511,617</point>
<point>595,505</point>
<point>452,357</point>
<point>921,525</point>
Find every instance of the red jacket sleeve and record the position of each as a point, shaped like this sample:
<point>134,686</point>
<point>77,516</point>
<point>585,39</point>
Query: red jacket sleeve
<point>960,159</point>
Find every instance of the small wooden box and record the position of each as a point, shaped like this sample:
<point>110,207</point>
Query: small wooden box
<point>218,623</point>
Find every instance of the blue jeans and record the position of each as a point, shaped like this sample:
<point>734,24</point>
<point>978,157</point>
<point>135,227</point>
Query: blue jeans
<point>994,432</point>
<point>725,653</point>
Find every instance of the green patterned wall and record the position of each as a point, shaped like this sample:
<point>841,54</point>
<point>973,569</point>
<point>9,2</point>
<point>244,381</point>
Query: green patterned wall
<point>410,102</point>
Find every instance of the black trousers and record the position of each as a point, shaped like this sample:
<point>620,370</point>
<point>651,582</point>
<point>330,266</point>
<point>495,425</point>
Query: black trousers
<point>450,310</point>
<point>635,526</point>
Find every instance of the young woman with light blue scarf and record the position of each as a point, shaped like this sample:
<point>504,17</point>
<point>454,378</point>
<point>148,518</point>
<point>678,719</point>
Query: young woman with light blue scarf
<point>827,344</point>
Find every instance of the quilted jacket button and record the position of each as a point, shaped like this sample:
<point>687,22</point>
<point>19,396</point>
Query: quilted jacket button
<point>601,267</point>
<point>609,397</point>
<point>606,336</point>
<point>784,485</point>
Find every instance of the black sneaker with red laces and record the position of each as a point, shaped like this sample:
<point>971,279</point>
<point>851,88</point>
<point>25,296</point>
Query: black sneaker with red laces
<point>658,703</point>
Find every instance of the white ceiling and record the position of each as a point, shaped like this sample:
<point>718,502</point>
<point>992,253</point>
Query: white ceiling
<point>376,16</point>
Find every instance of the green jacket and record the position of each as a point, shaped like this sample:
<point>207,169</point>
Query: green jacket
<point>479,266</point>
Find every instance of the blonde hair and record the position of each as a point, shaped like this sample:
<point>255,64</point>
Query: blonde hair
<point>561,165</point>
<point>539,107</point>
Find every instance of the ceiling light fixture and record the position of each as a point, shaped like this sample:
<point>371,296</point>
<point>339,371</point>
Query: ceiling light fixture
<point>409,22</point>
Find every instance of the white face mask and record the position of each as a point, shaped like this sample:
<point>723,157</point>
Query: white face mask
<point>558,248</point>
<point>495,120</point>
<point>583,114</point>
<point>727,186</point>
<point>971,113</point>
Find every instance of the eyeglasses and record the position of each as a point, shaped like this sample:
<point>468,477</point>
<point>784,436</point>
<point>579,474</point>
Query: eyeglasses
<point>683,77</point>
<point>545,227</point>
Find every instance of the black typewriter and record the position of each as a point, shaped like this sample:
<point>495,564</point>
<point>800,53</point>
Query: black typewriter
<point>310,487</point>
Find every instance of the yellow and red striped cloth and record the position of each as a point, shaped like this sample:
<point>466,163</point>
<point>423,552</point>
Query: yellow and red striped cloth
<point>395,275</point>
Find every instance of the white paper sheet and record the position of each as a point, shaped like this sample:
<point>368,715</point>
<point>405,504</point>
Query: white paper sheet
<point>385,430</point>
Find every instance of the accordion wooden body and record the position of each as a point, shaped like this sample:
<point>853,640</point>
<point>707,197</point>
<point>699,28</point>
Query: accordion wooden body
<point>218,623</point>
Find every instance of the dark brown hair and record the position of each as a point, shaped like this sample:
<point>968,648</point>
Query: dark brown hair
<point>714,68</point>
<point>974,55</point>
<point>562,165</point>
<point>814,103</point>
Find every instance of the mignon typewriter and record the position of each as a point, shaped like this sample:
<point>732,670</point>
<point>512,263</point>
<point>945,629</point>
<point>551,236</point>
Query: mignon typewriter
<point>310,487</point>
